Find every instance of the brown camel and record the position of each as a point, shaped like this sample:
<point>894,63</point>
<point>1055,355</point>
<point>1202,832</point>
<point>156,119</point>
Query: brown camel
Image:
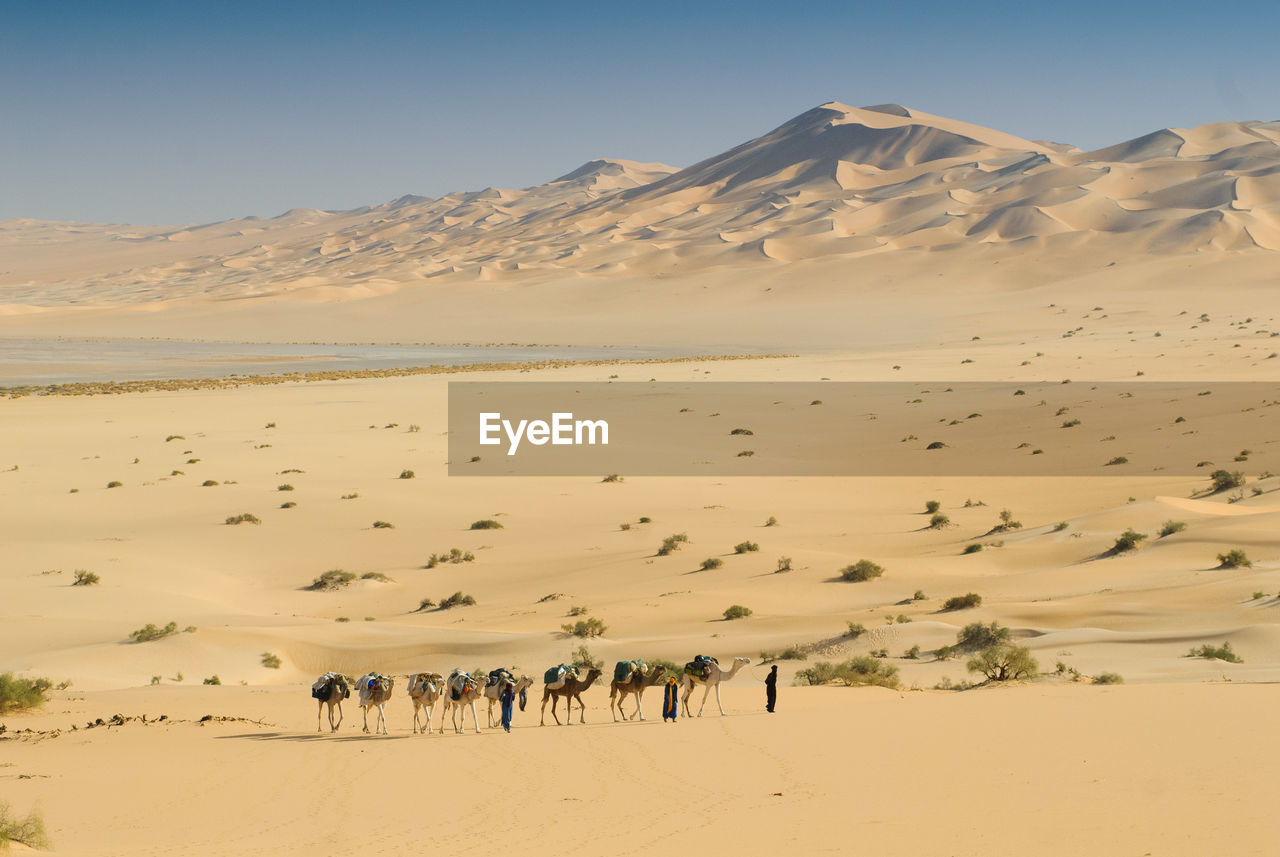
<point>375,690</point>
<point>330,689</point>
<point>636,684</point>
<point>570,690</point>
<point>425,689</point>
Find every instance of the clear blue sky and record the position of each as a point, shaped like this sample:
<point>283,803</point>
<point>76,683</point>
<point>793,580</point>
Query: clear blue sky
<point>189,112</point>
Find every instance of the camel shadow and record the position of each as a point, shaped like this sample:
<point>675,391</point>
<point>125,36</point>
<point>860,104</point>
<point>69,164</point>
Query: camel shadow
<point>306,736</point>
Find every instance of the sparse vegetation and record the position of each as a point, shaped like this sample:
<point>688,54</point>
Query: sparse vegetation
<point>736,611</point>
<point>939,522</point>
<point>486,524</point>
<point>855,671</point>
<point>856,630</point>
<point>772,522</point>
<point>1168,528</point>
<point>860,571</point>
<point>744,431</point>
<point>937,444</point>
<point>284,487</point>
<point>1004,662</point>
<point>672,543</point>
<point>376,576</point>
<point>20,694</point>
<point>209,483</point>
<point>1108,678</point>
<point>85,578</point>
<point>583,660</point>
<point>213,679</point>
<point>453,556</point>
<point>589,627</point>
<point>612,477</point>
<point>149,632</point>
<point>1234,558</point>
<point>114,484</point>
<point>243,518</point>
<point>288,505</point>
<point>425,604</point>
<point>334,578</point>
<point>1220,653</point>
<point>383,525</point>
<point>919,595</point>
<point>1126,541</point>
<point>271,661</point>
<point>1119,459</point>
<point>972,547</point>
<point>28,831</point>
<point>1223,480</point>
<point>711,563</point>
<point>746,547</point>
<point>407,474</point>
<point>963,602</point>
<point>1060,526</point>
<point>457,599</point>
<point>931,507</point>
<point>784,564</point>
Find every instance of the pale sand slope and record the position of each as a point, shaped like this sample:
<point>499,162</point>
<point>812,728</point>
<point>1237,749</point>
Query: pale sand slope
<point>922,776</point>
<point>1044,770</point>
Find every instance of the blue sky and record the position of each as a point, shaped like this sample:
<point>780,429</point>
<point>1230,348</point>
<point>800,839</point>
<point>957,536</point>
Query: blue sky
<point>191,112</point>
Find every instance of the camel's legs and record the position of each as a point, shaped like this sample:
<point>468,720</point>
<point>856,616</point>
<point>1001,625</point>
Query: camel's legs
<point>639,710</point>
<point>582,709</point>
<point>333,727</point>
<point>365,709</point>
<point>718,705</point>
<point>706,691</point>
<point>382,717</point>
<point>320,709</point>
<point>475,721</point>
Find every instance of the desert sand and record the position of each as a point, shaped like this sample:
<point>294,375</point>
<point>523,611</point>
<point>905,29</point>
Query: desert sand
<point>866,244</point>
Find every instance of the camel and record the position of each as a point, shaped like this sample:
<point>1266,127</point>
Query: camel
<point>330,689</point>
<point>570,690</point>
<point>469,690</point>
<point>713,680</point>
<point>636,684</point>
<point>491,694</point>
<point>375,690</point>
<point>425,690</point>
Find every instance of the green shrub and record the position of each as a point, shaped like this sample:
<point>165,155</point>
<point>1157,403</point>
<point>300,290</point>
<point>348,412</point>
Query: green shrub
<point>270,661</point>
<point>912,653</point>
<point>979,636</point>
<point>406,474</point>
<point>625,525</point>
<point>376,576</point>
<point>855,671</point>
<point>1223,480</point>
<point>589,627</point>
<point>284,487</point>
<point>209,483</point>
<point>1007,522</point>
<point>963,602</point>
<point>27,831</point>
<point>383,525</point>
<point>486,524</point>
<point>939,522</point>
<point>772,522</point>
<point>1234,558</point>
<point>1222,653</point>
<point>1119,459</point>
<point>577,610</point>
<point>1126,541</point>
<point>19,694</point>
<point>931,507</point>
<point>334,578</point>
<point>644,519</point>
<point>1004,662</point>
<point>1168,528</point>
<point>856,630</point>
<point>860,571</point>
<point>85,578</point>
<point>612,477</point>
<point>973,547</point>
<point>582,659</point>
<point>745,547</point>
<point>1108,678</point>
<point>784,564</point>
<point>114,484</point>
<point>919,595</point>
<point>937,444</point>
<point>149,632</point>
<point>712,562</point>
<point>457,599</point>
<point>1060,526</point>
<point>242,518</point>
<point>289,505</point>
<point>213,679</point>
<point>672,544</point>
<point>737,611</point>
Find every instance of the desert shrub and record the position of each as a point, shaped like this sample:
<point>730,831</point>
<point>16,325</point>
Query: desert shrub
<point>85,578</point>
<point>114,484</point>
<point>919,595</point>
<point>1126,541</point>
<point>745,547</point>
<point>242,518</point>
<point>342,618</point>
<point>644,519</point>
<point>414,428</point>
<point>174,437</point>
<point>407,474</point>
<point>1221,653</point>
<point>425,604</point>
<point>20,694</point>
<point>912,653</point>
<point>1119,459</point>
<point>454,556</point>
<point>209,483</point>
<point>1060,526</point>
<point>856,671</point>
<point>213,679</point>
<point>856,630</point>
<point>1222,480</point>
<point>351,496</point>
<point>334,578</point>
<point>270,661</point>
<point>862,570</point>
<point>745,431</point>
<point>284,487</point>
<point>939,522</point>
<point>1007,522</point>
<point>973,547</point>
<point>1071,423</point>
<point>486,524</point>
<point>28,831</point>
<point>589,627</point>
<point>577,610</point>
<point>376,576</point>
<point>712,562</point>
<point>931,507</point>
<point>746,453</point>
<point>1259,595</point>
<point>963,602</point>
<point>979,636</point>
<point>937,444</point>
<point>612,477</point>
<point>737,611</point>
<point>784,564</point>
<point>1234,558</point>
<point>1168,528</point>
<point>672,543</point>
<point>149,632</point>
<point>772,522</point>
<point>582,659</point>
<point>1108,678</point>
<point>288,505</point>
<point>457,599</point>
<point>1004,662</point>
<point>625,525</point>
<point>383,525</point>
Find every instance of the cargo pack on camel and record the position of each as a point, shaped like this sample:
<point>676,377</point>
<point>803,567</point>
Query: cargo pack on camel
<point>625,670</point>
<point>554,678</point>
<point>700,666</point>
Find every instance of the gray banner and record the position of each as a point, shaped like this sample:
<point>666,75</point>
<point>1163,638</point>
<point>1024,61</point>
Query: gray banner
<point>862,428</point>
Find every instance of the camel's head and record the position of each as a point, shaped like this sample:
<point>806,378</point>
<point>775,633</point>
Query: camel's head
<point>742,660</point>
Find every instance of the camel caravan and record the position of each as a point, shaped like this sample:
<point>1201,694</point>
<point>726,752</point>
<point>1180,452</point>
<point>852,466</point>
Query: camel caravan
<point>459,691</point>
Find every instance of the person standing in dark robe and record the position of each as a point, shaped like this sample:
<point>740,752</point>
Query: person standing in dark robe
<point>507,696</point>
<point>771,689</point>
<point>670,701</point>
